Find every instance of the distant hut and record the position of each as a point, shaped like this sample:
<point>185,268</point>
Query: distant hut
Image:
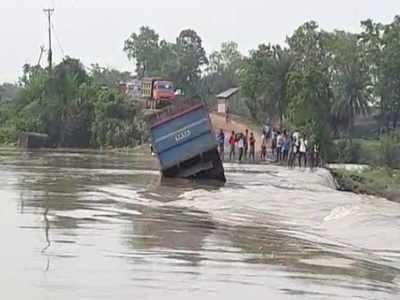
<point>223,100</point>
<point>32,140</point>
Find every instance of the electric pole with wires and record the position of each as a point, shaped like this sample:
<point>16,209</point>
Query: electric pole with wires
<point>42,50</point>
<point>49,12</point>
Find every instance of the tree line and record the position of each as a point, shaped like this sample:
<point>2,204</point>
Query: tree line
<point>319,79</point>
<point>76,107</point>
<point>323,80</point>
<point>318,82</point>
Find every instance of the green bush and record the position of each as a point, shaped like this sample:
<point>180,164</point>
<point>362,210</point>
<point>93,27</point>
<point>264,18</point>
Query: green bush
<point>389,154</point>
<point>359,151</point>
<point>348,152</point>
<point>8,136</point>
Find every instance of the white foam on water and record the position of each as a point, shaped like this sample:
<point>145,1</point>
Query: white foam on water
<point>260,195</point>
<point>342,212</point>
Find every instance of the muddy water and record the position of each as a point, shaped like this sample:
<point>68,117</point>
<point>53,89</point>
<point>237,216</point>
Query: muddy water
<point>90,225</point>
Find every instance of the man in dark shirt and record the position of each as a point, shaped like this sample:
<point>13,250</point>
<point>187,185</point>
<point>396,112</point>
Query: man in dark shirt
<point>232,142</point>
<point>252,153</point>
<point>246,144</point>
<point>221,143</point>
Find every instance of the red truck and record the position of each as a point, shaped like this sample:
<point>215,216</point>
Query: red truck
<point>157,92</point>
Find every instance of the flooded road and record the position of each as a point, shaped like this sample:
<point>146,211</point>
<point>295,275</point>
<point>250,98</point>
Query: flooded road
<point>92,225</point>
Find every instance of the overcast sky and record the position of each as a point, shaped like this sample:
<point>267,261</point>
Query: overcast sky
<point>95,30</point>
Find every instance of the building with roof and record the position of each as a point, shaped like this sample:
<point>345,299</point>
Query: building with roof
<point>224,98</point>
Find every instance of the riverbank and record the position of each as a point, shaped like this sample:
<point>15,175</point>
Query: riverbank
<point>380,182</point>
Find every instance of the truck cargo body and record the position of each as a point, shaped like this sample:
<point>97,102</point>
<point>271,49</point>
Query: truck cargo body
<point>186,146</point>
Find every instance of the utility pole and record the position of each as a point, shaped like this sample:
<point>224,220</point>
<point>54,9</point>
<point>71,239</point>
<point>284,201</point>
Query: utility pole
<point>49,12</point>
<point>42,50</point>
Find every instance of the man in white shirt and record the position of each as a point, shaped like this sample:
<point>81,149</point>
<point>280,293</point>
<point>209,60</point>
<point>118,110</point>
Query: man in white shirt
<point>279,144</point>
<point>303,151</point>
<point>240,145</point>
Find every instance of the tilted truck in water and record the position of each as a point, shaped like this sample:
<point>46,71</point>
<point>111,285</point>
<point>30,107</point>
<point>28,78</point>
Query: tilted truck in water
<point>184,141</point>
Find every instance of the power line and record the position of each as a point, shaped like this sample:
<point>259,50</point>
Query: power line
<point>42,50</point>
<point>58,40</point>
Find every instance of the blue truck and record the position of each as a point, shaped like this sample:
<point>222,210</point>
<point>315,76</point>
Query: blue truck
<point>184,142</point>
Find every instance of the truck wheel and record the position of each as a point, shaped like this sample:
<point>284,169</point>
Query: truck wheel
<point>217,172</point>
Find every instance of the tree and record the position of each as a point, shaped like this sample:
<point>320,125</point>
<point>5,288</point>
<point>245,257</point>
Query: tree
<point>73,107</point>
<point>8,91</point>
<point>144,49</point>
<point>309,83</point>
<point>181,62</point>
<point>264,80</point>
<point>191,58</point>
<point>169,64</point>
<point>281,64</point>
<point>115,121</point>
<point>63,103</point>
<point>351,81</point>
<point>390,72</point>
<point>107,77</point>
<point>371,40</point>
<point>382,46</point>
<point>224,67</point>
<point>26,111</point>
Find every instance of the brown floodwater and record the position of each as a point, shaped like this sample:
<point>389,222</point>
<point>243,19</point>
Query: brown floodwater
<point>96,225</point>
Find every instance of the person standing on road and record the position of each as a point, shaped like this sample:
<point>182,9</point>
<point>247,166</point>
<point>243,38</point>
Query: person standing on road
<point>285,146</point>
<point>232,142</point>
<point>274,136</point>
<point>252,153</point>
<point>293,152</point>
<point>318,162</point>
<point>294,149</point>
<point>303,151</point>
<point>227,116</point>
<point>279,144</point>
<point>241,146</point>
<point>263,152</point>
<point>246,144</point>
<point>221,144</point>
<point>315,160</point>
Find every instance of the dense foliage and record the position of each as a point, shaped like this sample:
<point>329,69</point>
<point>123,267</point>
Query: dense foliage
<point>180,62</point>
<point>74,107</point>
<point>323,81</point>
<point>319,83</point>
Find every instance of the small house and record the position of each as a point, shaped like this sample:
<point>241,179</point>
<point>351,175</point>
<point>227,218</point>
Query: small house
<point>224,98</point>
<point>32,140</point>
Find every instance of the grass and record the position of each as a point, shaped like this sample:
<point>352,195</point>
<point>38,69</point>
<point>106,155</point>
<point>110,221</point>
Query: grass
<point>374,181</point>
<point>374,152</point>
<point>369,150</point>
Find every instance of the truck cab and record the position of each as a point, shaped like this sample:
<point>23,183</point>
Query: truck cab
<point>157,92</point>
<point>163,91</point>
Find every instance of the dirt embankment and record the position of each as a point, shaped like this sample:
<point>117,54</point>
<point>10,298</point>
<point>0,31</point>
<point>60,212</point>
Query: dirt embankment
<point>372,181</point>
<point>237,124</point>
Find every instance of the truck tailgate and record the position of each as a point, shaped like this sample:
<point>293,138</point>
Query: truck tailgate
<point>183,136</point>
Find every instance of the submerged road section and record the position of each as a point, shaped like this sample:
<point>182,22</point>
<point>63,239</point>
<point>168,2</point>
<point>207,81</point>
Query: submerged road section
<point>95,225</point>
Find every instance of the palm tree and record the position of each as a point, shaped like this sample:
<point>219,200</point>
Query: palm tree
<point>280,67</point>
<point>351,80</point>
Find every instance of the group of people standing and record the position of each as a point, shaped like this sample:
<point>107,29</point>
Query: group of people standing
<point>285,148</point>
<point>243,143</point>
<point>294,148</point>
